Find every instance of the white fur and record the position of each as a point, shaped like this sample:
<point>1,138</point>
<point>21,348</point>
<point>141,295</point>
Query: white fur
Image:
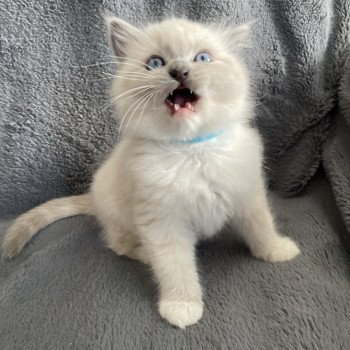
<point>154,197</point>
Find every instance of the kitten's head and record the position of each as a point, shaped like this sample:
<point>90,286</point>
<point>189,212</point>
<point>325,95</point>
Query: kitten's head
<point>177,79</point>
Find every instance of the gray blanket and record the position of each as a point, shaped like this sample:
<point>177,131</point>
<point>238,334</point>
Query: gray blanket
<point>66,290</point>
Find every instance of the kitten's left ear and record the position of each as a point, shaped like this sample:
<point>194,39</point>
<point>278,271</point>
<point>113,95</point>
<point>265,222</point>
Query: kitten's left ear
<point>238,37</point>
<point>120,34</point>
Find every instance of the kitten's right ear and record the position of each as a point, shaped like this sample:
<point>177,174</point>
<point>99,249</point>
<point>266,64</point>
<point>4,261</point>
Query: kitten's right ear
<point>238,37</point>
<point>120,34</point>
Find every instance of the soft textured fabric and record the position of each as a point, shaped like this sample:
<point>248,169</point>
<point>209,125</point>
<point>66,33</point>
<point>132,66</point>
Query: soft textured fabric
<point>66,291</point>
<point>55,124</point>
<point>336,156</point>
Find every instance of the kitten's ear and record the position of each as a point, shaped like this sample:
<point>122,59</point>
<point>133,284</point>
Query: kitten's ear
<point>238,37</point>
<point>120,34</point>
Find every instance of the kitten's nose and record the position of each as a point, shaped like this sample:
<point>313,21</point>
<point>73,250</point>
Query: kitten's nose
<point>180,74</point>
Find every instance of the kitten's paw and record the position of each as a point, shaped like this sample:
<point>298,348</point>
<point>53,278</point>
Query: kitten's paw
<point>281,249</point>
<point>181,313</point>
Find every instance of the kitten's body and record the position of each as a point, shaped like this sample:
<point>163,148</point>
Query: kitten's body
<point>198,185</point>
<point>159,193</point>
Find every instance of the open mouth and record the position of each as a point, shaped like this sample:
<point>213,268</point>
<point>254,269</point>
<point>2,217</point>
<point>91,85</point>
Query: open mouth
<point>181,97</point>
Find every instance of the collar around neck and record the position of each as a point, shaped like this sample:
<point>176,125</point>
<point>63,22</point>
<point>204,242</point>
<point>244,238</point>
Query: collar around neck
<point>198,139</point>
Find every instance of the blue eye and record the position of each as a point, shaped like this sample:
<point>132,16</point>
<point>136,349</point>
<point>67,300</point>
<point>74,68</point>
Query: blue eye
<point>203,57</point>
<point>155,62</point>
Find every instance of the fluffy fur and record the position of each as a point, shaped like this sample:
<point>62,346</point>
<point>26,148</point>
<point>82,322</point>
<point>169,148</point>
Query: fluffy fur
<point>157,195</point>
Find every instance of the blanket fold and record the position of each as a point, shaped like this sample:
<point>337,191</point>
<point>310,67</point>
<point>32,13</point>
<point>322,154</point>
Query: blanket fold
<point>336,155</point>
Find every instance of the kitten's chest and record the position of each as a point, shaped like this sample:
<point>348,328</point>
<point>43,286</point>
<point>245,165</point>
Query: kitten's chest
<point>189,173</point>
<point>208,197</point>
<point>201,187</point>
<point>204,174</point>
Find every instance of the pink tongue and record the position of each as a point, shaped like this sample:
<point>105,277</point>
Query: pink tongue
<point>180,100</point>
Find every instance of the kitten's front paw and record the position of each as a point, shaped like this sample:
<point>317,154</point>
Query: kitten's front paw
<point>278,250</point>
<point>181,313</point>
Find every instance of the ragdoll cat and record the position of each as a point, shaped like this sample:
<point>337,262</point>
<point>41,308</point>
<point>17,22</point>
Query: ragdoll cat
<point>188,163</point>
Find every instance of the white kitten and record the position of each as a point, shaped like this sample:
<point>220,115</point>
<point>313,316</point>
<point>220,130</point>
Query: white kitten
<point>188,163</point>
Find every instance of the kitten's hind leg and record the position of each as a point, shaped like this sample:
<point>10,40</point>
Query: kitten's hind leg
<point>124,242</point>
<point>255,225</point>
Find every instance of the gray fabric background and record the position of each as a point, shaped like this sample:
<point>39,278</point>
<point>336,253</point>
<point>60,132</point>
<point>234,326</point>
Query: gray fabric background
<point>66,291</point>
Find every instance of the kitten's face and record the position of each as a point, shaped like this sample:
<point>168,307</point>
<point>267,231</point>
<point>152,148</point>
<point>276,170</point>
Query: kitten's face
<point>177,79</point>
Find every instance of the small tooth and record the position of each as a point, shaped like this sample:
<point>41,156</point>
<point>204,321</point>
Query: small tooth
<point>171,94</point>
<point>176,107</point>
<point>191,91</point>
<point>189,106</point>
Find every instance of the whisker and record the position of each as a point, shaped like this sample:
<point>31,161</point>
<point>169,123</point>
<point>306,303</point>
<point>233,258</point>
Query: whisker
<point>136,108</point>
<point>126,113</point>
<point>156,96</point>
<point>127,77</point>
<point>134,65</point>
<point>113,56</point>
<point>114,99</point>
<point>142,111</point>
<point>130,74</point>
<point>141,79</point>
<point>136,74</point>
<point>131,59</point>
<point>137,93</point>
<point>128,91</point>
<point>106,63</point>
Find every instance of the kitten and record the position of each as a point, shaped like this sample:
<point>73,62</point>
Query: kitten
<point>188,163</point>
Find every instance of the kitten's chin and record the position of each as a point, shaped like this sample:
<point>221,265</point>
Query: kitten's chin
<point>183,113</point>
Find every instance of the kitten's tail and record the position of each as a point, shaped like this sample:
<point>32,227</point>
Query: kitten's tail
<point>31,222</point>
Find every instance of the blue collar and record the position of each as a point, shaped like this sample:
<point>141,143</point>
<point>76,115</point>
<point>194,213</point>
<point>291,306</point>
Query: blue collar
<point>199,139</point>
